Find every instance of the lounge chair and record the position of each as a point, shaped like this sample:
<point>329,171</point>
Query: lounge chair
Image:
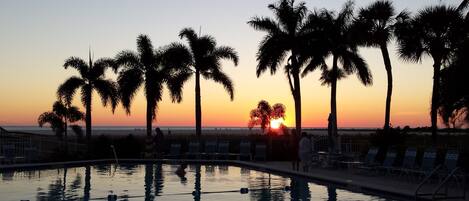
<point>261,152</point>
<point>428,163</point>
<point>370,159</point>
<point>193,150</point>
<point>388,163</point>
<point>210,149</point>
<point>224,150</point>
<point>174,151</point>
<point>245,151</point>
<point>451,160</point>
<point>408,163</point>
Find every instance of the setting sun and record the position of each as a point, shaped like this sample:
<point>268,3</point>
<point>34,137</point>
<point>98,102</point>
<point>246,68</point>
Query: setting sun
<point>276,123</point>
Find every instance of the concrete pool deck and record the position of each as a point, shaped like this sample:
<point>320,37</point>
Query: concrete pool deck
<point>349,179</point>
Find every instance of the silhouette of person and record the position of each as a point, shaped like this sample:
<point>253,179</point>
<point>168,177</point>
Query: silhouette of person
<point>159,141</point>
<point>305,151</point>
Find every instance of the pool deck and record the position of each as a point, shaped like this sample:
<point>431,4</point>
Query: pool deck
<point>349,179</point>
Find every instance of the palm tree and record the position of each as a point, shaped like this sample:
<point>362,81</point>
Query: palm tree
<point>453,106</point>
<point>287,37</point>
<point>59,118</point>
<point>335,31</point>
<point>92,77</point>
<point>435,31</point>
<point>374,27</point>
<point>263,113</point>
<point>202,57</point>
<point>152,69</point>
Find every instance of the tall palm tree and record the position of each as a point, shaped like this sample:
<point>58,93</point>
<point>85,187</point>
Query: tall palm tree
<point>59,118</point>
<point>435,31</point>
<point>202,57</point>
<point>92,77</point>
<point>374,27</point>
<point>152,69</point>
<point>335,31</point>
<point>287,38</point>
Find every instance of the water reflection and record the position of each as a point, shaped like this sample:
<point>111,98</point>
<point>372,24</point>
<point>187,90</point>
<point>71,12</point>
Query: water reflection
<point>299,189</point>
<point>148,182</point>
<point>197,184</point>
<point>331,193</point>
<point>86,190</point>
<point>160,182</point>
<point>159,179</point>
<point>58,190</point>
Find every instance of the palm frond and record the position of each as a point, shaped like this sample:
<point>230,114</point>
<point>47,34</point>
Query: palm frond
<point>176,55</point>
<point>108,91</point>
<point>223,79</point>
<point>225,52</point>
<point>74,114</point>
<point>272,52</point>
<point>146,51</point>
<point>176,83</point>
<point>264,24</point>
<point>67,90</point>
<point>100,66</point>
<point>55,122</point>
<point>154,90</point>
<point>129,81</point>
<point>78,64</point>
<point>128,59</point>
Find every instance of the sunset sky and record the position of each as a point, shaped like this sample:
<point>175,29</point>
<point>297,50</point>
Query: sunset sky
<point>37,36</point>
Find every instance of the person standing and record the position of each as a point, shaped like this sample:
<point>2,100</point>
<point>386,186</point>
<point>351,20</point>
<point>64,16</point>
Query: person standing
<point>159,142</point>
<point>305,151</point>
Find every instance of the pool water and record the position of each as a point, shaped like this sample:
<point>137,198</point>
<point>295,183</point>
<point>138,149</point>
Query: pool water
<point>160,182</point>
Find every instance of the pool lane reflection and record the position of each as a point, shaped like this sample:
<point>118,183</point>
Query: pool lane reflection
<point>152,182</point>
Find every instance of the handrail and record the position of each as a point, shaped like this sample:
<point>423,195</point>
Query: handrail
<point>425,180</point>
<point>446,180</point>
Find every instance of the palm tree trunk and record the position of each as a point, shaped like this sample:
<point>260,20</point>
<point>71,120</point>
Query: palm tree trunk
<point>297,98</point>
<point>387,65</point>
<point>296,92</point>
<point>435,99</point>
<point>333,133</point>
<point>198,107</point>
<point>149,117</point>
<point>88,112</point>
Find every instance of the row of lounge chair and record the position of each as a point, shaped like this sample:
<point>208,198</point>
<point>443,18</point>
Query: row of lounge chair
<point>408,166</point>
<point>218,150</point>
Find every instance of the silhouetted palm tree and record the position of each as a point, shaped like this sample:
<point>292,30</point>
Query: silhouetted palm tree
<point>264,113</point>
<point>92,77</point>
<point>335,31</point>
<point>151,69</point>
<point>287,37</point>
<point>454,94</point>
<point>375,27</point>
<point>435,31</point>
<point>202,57</point>
<point>59,118</point>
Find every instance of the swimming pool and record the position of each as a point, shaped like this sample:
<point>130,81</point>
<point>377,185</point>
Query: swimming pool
<point>156,181</point>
